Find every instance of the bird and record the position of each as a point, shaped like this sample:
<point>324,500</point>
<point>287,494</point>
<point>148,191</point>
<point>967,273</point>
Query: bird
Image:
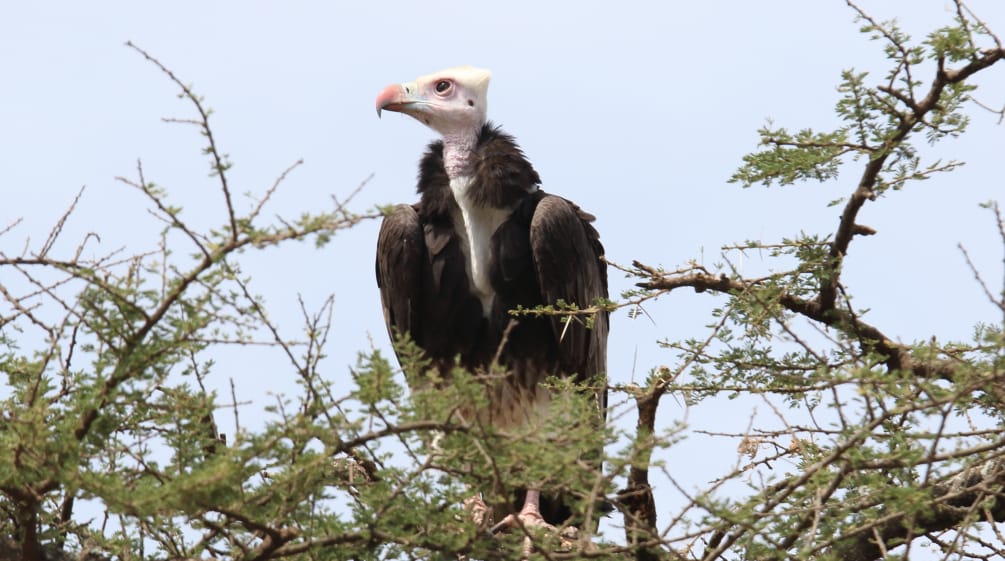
<point>485,239</point>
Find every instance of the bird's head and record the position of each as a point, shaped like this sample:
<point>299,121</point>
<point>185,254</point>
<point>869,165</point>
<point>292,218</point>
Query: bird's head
<point>451,101</point>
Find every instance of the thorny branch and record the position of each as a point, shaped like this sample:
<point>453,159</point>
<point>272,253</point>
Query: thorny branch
<point>220,165</point>
<point>865,191</point>
<point>131,339</point>
<point>956,498</point>
<point>823,307</point>
<point>898,356</point>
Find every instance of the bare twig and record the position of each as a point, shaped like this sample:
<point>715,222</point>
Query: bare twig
<point>58,228</point>
<point>219,165</point>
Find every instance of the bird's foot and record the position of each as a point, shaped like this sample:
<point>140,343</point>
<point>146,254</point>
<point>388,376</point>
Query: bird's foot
<point>523,519</point>
<point>479,511</point>
<point>568,536</point>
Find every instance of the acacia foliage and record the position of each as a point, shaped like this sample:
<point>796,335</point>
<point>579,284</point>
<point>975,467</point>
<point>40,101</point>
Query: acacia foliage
<point>105,405</point>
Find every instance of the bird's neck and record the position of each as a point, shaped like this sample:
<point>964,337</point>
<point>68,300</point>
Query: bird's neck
<point>459,152</point>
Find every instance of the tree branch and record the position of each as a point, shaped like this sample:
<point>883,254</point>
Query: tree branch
<point>871,339</point>
<point>865,190</point>
<point>954,504</point>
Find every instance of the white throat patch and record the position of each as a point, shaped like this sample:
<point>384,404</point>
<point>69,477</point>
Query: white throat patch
<point>478,224</point>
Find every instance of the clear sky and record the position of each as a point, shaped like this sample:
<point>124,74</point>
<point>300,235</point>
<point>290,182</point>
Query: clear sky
<point>638,111</point>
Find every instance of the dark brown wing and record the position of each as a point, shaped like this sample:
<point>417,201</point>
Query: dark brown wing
<point>567,256</point>
<point>424,287</point>
<point>401,252</point>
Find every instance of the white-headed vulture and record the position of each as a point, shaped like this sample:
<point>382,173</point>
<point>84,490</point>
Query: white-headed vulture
<point>485,239</point>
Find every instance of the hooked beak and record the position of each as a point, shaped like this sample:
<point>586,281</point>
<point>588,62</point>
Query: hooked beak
<point>398,97</point>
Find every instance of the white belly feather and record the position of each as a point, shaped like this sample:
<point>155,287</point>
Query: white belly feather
<point>479,223</point>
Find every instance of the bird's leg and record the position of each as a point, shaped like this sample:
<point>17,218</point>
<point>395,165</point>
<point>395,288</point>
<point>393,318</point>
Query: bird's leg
<point>529,515</point>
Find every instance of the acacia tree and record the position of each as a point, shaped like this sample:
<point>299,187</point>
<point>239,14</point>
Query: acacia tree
<point>894,446</point>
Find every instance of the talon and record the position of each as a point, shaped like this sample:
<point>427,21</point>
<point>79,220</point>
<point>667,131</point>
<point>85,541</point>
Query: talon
<point>478,509</point>
<point>504,524</point>
<point>526,519</point>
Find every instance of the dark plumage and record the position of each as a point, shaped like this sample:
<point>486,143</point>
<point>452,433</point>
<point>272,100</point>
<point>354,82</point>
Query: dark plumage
<point>543,250</point>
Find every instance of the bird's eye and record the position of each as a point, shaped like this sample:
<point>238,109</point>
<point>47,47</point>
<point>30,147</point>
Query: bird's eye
<point>443,86</point>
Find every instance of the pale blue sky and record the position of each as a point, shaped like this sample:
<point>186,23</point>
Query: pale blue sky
<point>638,111</point>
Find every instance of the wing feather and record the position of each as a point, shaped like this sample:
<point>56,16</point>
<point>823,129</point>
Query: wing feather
<point>401,251</point>
<point>424,288</point>
<point>567,257</point>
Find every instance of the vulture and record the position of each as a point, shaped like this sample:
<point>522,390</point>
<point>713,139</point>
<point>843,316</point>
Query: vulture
<point>482,240</point>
